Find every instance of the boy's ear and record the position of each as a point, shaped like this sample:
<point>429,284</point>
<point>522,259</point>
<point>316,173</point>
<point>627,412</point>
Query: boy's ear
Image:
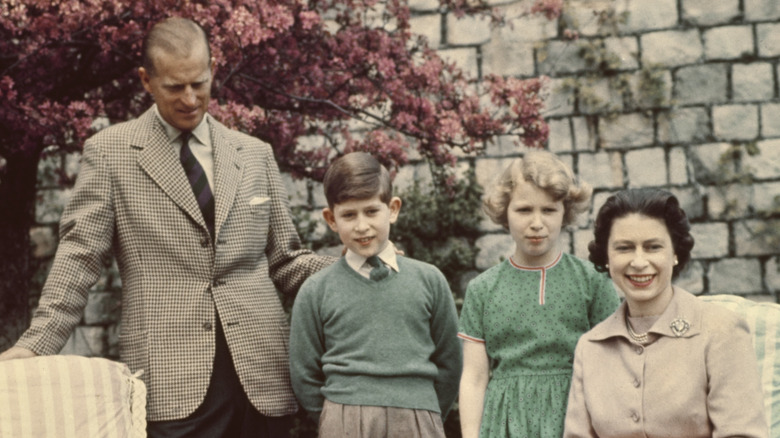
<point>395,208</point>
<point>330,218</point>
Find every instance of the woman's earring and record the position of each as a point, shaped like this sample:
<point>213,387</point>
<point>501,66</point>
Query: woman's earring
<point>606,265</point>
<point>676,262</point>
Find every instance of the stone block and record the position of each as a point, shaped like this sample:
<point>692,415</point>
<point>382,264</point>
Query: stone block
<point>581,239</point>
<point>671,48</point>
<point>752,81</point>
<point>643,15</point>
<point>599,95</point>
<point>502,146</point>
<point>626,49</point>
<point>467,30</point>
<point>583,15</point>
<point>757,237</point>
<point>585,133</point>
<point>683,125</point>
<point>102,308</point>
<point>560,57</point>
<point>735,122</point>
<point>599,198</point>
<point>464,57</point>
<point>729,202</point>
<point>770,114</point>
<point>560,98</point>
<point>735,276</point>
<point>90,341</point>
<point>691,278</point>
<point>708,12</point>
<point>728,42</point>
<point>766,197</point>
<point>768,40</point>
<point>711,240</point>
<point>560,135</point>
<point>646,167</point>
<point>424,5</point>
<point>706,161</point>
<point>626,131</point>
<point>429,26</point>
<point>647,93</point>
<point>488,169</point>
<point>678,166</point>
<point>506,58</point>
<point>493,249</point>
<point>772,276</point>
<point>601,170</point>
<point>524,27</point>
<point>691,201</point>
<point>766,164</point>
<point>762,10</point>
<point>705,84</point>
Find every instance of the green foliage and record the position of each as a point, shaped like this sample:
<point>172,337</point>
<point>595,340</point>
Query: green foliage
<point>439,225</point>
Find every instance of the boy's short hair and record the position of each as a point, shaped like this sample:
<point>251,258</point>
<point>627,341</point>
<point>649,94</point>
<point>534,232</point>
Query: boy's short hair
<point>545,170</point>
<point>357,175</point>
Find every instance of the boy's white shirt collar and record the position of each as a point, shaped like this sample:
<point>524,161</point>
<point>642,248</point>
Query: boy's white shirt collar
<point>358,262</point>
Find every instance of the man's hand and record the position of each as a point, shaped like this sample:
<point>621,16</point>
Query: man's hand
<point>17,353</point>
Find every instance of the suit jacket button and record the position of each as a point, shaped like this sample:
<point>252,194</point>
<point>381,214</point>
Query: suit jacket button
<point>204,242</point>
<point>207,326</point>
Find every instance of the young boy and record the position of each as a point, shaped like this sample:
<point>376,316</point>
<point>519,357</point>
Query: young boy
<point>374,349</point>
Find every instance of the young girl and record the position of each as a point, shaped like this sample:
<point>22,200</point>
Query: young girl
<point>522,318</point>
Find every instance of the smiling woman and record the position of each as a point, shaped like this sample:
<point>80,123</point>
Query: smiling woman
<point>665,363</point>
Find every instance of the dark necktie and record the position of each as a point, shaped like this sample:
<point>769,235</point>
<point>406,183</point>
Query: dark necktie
<point>380,271</point>
<point>197,177</point>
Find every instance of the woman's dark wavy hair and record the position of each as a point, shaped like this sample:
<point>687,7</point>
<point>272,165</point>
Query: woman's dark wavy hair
<point>654,203</point>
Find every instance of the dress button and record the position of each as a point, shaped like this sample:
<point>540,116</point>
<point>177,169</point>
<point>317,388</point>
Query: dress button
<point>639,350</point>
<point>635,417</point>
<point>207,326</point>
<point>636,383</point>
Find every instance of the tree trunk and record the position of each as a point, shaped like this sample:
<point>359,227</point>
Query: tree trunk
<point>17,201</point>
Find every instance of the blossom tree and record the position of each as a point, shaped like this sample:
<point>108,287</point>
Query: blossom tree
<point>314,78</point>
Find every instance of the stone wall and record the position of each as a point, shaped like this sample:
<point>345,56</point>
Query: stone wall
<point>715,74</point>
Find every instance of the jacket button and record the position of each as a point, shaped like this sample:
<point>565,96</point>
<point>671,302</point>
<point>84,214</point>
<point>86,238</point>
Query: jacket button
<point>635,417</point>
<point>639,350</point>
<point>207,326</point>
<point>636,383</point>
<point>204,242</point>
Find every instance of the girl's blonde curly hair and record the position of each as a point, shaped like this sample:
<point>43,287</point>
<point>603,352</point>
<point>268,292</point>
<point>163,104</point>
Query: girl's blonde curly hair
<point>545,170</point>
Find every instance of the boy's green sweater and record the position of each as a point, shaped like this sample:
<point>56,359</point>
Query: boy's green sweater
<point>389,343</point>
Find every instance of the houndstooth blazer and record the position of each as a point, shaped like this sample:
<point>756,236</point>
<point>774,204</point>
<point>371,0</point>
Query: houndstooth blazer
<point>132,197</point>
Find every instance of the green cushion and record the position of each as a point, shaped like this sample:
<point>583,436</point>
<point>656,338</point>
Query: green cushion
<point>764,321</point>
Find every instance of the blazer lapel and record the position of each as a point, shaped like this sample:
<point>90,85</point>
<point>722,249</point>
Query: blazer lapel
<point>158,159</point>
<point>227,173</point>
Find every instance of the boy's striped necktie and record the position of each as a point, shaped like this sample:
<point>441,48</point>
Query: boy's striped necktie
<point>380,271</point>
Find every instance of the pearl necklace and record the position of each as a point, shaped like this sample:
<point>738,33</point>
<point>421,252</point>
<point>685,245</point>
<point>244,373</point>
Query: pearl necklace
<point>640,339</point>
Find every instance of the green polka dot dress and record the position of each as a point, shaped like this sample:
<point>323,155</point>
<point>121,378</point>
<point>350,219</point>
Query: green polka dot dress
<point>529,320</point>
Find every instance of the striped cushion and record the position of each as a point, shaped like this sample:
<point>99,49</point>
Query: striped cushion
<point>764,321</point>
<point>70,396</point>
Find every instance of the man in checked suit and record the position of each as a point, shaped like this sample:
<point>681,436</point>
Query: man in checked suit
<point>200,312</point>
